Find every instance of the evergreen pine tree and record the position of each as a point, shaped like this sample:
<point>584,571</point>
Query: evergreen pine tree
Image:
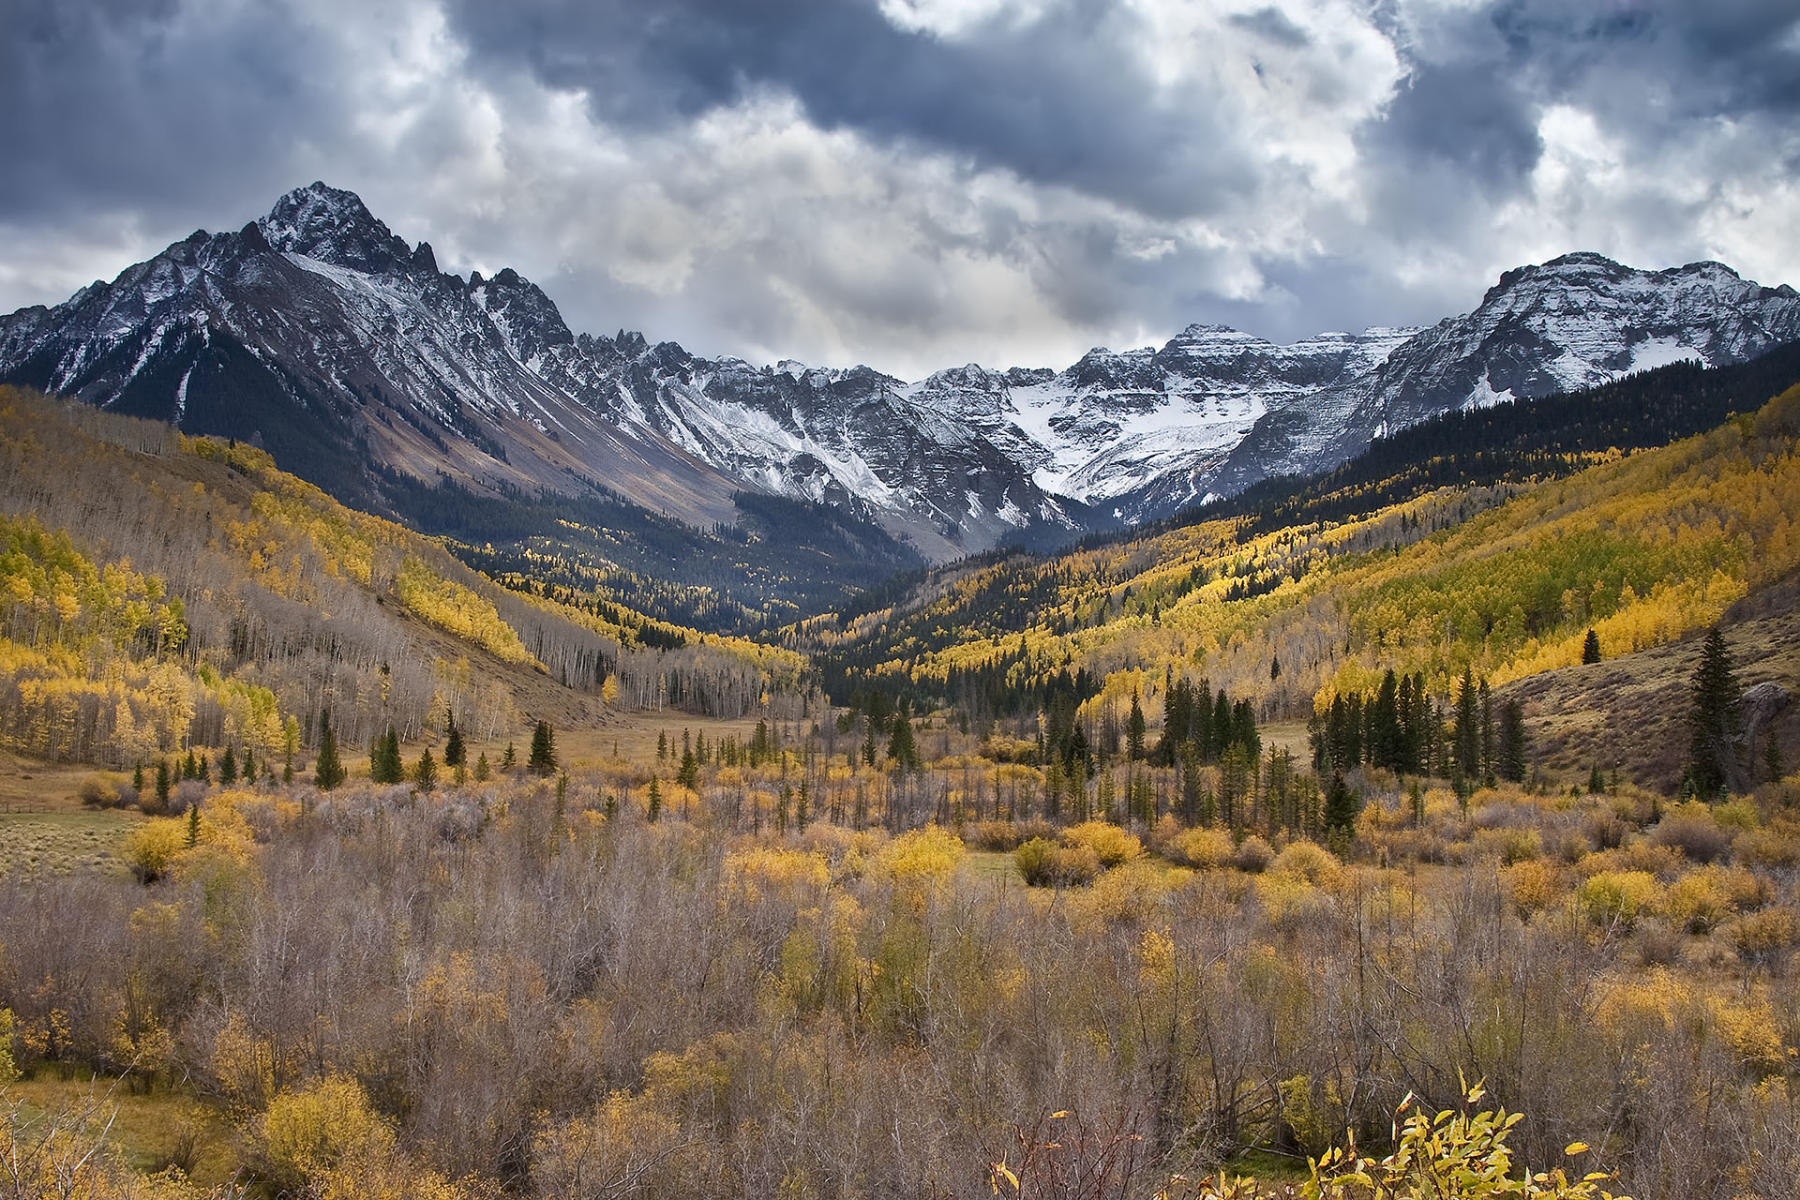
<point>510,760</point>
<point>1467,743</point>
<point>900,743</point>
<point>543,750</point>
<point>1511,751</point>
<point>482,770</point>
<point>1590,649</point>
<point>1386,743</point>
<point>1596,781</point>
<point>193,826</point>
<point>228,768</point>
<point>329,772</point>
<point>163,784</point>
<point>1713,720</point>
<point>1340,806</point>
<point>248,770</point>
<point>1134,729</point>
<point>425,774</point>
<point>1487,734</point>
<point>454,754</point>
<point>203,769</point>
<point>655,807</point>
<point>384,760</point>
<point>137,779</point>
<point>688,775</point>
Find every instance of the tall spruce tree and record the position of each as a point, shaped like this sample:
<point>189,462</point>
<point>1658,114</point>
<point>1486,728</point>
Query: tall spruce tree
<point>1467,744</point>
<point>454,754</point>
<point>384,761</point>
<point>543,750</point>
<point>1590,649</point>
<point>1714,720</point>
<point>329,772</point>
<point>1134,729</point>
<point>1511,754</point>
<point>901,747</point>
<point>1340,807</point>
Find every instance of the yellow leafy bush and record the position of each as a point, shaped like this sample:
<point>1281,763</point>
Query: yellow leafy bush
<point>150,848</point>
<point>1202,849</point>
<point>1775,846</point>
<point>1510,844</point>
<point>1760,938</point>
<point>1620,897</point>
<point>1535,886</point>
<point>1698,901</point>
<point>928,855</point>
<point>1110,844</point>
<point>1134,892</point>
<point>1309,861</point>
<point>309,1131</point>
<point>1752,1034</point>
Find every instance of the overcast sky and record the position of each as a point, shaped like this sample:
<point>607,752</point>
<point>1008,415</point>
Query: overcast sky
<point>921,183</point>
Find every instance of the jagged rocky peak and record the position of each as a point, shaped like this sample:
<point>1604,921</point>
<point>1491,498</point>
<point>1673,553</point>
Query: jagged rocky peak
<point>529,320</point>
<point>334,226</point>
<point>1590,272</point>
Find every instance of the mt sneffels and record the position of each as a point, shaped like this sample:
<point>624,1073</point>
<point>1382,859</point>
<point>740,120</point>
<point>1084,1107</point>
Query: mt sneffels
<point>318,333</point>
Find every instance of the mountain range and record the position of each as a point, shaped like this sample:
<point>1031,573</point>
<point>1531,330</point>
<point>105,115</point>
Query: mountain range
<point>318,334</point>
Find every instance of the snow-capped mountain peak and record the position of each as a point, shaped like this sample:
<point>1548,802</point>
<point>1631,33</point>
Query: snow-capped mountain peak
<point>320,332</point>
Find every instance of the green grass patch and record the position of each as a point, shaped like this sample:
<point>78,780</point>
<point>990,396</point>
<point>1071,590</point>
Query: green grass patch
<point>149,1131</point>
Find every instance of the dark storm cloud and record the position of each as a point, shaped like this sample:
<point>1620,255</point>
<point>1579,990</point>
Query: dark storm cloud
<point>108,106</point>
<point>1061,98</point>
<point>1480,78</point>
<point>1471,116</point>
<point>826,178</point>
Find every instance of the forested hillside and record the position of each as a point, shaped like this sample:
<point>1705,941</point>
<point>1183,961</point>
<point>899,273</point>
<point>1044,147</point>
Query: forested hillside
<point>1502,575</point>
<point>161,590</point>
